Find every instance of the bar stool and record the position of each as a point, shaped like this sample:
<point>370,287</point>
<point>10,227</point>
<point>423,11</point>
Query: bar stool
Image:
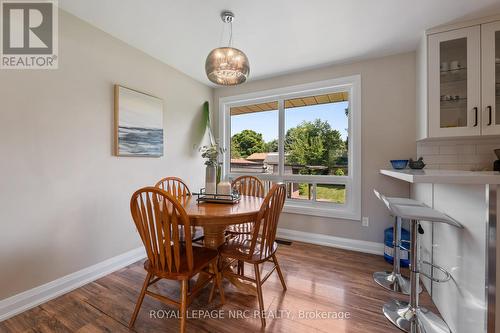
<point>394,281</point>
<point>411,317</point>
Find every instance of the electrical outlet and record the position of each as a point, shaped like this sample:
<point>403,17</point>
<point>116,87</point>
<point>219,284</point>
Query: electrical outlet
<point>364,221</point>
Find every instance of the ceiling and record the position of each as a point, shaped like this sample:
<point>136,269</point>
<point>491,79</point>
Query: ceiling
<point>278,36</point>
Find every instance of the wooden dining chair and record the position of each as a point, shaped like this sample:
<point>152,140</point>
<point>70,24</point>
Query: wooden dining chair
<point>157,215</point>
<point>251,186</point>
<point>258,247</point>
<point>178,188</point>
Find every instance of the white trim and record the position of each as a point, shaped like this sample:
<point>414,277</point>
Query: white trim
<point>462,24</point>
<point>316,210</point>
<point>332,241</point>
<point>352,208</point>
<point>31,298</point>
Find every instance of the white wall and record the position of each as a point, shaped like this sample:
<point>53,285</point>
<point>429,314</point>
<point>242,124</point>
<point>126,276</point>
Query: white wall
<point>388,132</point>
<point>64,199</point>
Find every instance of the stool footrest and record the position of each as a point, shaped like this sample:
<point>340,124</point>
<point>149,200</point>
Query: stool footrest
<point>447,275</point>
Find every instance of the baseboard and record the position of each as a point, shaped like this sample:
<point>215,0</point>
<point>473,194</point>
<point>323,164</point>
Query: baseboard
<point>26,300</point>
<point>339,242</point>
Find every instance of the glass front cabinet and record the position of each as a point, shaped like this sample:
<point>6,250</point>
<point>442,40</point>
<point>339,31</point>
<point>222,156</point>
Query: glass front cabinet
<point>490,89</point>
<point>463,80</point>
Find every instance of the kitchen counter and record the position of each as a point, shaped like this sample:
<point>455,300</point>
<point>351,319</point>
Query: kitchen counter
<point>444,176</point>
<point>466,302</point>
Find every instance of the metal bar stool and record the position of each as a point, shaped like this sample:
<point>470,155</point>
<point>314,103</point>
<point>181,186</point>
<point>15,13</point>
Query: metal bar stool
<point>411,317</point>
<point>394,281</point>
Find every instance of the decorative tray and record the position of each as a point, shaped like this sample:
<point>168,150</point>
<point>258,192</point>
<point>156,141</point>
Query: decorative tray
<point>217,198</point>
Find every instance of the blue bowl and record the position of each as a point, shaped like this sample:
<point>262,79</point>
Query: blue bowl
<point>399,164</point>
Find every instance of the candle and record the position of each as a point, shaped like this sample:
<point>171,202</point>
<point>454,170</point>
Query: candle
<point>224,187</point>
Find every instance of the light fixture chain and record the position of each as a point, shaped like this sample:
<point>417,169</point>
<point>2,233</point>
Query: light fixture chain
<point>231,34</point>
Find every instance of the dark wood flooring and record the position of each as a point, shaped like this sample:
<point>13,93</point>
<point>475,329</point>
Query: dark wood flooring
<point>322,281</point>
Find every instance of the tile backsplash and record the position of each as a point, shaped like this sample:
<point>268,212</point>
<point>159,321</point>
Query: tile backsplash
<point>463,154</point>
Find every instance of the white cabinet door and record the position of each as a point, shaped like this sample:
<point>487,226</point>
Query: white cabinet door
<point>454,78</point>
<point>490,47</point>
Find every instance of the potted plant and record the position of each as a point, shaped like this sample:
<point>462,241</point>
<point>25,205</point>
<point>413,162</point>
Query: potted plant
<point>211,154</point>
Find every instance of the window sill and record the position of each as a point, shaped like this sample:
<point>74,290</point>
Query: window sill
<point>333,213</point>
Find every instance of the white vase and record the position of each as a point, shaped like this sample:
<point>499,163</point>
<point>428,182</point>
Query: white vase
<point>210,179</point>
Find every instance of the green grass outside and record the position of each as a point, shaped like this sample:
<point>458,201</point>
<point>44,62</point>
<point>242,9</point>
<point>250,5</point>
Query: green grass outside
<point>324,192</point>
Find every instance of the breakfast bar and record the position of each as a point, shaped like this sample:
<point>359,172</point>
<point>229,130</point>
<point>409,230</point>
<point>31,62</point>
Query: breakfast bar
<point>468,302</point>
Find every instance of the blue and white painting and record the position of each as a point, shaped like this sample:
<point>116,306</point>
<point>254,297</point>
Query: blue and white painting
<point>140,123</point>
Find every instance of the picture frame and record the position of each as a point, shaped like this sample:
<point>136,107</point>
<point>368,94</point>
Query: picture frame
<point>139,128</point>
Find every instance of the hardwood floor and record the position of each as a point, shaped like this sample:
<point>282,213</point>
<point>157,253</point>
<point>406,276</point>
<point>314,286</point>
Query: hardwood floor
<point>328,280</point>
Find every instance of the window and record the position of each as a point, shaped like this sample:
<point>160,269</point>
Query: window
<point>306,136</point>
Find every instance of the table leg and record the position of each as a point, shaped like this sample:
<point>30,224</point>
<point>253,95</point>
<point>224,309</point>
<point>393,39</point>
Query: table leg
<point>215,237</point>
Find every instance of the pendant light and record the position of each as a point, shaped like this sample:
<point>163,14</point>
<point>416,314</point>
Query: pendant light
<point>227,66</point>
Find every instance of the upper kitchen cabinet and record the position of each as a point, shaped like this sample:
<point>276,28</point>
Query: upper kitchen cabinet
<point>490,62</point>
<point>459,81</point>
<point>455,83</point>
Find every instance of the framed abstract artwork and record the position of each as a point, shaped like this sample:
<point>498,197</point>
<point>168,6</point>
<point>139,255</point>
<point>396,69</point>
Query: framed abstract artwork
<point>138,123</point>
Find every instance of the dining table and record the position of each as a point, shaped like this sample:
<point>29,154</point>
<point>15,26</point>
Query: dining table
<point>215,217</point>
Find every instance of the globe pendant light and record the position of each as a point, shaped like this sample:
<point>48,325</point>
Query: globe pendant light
<point>227,66</point>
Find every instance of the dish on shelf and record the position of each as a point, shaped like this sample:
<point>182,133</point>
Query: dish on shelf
<point>399,164</point>
<point>418,164</point>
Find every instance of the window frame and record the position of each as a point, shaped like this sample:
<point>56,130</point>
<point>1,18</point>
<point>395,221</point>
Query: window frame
<point>352,84</point>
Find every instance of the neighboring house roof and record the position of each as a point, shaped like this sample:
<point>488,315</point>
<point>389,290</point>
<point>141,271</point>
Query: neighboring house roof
<point>242,161</point>
<point>257,157</point>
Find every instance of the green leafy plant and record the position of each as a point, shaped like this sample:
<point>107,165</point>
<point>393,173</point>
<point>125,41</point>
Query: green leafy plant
<point>339,172</point>
<point>211,154</point>
<point>207,119</point>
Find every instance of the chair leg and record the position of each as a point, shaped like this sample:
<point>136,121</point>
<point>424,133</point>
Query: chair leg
<point>258,282</point>
<point>212,292</point>
<point>241,267</point>
<point>218,281</point>
<point>184,300</point>
<point>140,299</point>
<point>278,269</point>
<point>214,267</point>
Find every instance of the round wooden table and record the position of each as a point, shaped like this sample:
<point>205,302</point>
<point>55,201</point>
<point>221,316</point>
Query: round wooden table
<point>216,217</point>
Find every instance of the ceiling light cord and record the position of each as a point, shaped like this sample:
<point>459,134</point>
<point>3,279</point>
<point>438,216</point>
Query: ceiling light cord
<point>223,33</point>
<point>221,39</point>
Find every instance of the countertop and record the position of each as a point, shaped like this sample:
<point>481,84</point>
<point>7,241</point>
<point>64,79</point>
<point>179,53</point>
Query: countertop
<point>444,176</point>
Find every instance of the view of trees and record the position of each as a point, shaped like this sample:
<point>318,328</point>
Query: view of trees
<point>315,144</point>
<point>247,142</point>
<point>311,143</point>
